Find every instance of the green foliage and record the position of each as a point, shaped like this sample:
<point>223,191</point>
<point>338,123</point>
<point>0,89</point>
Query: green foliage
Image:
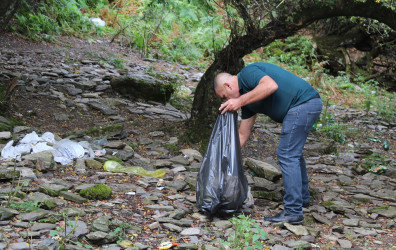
<point>247,234</point>
<point>297,52</point>
<point>51,17</point>
<point>386,107</point>
<point>173,148</point>
<point>113,60</point>
<point>336,131</point>
<point>97,192</point>
<point>27,206</point>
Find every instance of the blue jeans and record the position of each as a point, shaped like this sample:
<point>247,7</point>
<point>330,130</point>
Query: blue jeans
<point>295,128</point>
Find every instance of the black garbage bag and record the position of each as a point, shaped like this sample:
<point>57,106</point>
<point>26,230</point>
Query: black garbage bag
<point>221,185</point>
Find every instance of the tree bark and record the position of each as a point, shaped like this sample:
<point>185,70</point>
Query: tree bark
<point>205,106</point>
<point>7,11</point>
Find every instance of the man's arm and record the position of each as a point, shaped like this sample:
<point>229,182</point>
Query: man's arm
<point>245,129</point>
<point>266,87</point>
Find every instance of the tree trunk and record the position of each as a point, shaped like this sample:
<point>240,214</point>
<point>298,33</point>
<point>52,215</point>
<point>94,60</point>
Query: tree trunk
<point>7,11</point>
<point>206,104</point>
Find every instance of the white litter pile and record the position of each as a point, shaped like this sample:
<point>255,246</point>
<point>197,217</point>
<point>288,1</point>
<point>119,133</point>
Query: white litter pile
<point>97,21</point>
<point>64,151</point>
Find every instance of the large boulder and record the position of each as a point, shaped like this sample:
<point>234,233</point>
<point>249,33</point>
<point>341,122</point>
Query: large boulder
<point>7,11</point>
<point>143,87</point>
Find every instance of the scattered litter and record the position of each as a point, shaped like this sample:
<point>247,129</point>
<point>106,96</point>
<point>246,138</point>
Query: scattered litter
<point>130,193</point>
<point>100,152</point>
<point>378,169</point>
<point>116,167</point>
<point>97,21</point>
<point>374,140</point>
<point>64,151</point>
<point>386,145</point>
<point>167,245</point>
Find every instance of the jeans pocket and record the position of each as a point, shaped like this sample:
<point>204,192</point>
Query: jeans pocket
<point>311,119</point>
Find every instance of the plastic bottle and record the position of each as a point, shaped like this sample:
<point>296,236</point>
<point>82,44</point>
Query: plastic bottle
<point>386,145</point>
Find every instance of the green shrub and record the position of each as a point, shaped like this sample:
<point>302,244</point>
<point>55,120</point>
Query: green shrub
<point>51,17</point>
<point>247,234</point>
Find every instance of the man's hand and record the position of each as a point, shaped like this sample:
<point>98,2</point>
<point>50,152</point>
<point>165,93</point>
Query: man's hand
<point>230,105</point>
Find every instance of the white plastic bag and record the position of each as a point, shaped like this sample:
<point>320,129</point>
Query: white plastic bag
<point>97,21</point>
<point>11,152</point>
<point>31,138</point>
<point>66,151</point>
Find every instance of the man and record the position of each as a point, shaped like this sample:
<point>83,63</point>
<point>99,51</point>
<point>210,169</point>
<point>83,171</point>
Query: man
<point>286,98</point>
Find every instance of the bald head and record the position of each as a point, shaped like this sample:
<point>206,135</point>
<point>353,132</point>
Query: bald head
<point>221,78</point>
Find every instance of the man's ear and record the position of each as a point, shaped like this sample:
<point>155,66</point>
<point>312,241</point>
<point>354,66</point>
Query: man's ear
<point>227,85</point>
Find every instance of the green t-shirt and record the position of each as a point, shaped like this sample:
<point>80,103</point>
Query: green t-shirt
<point>292,91</point>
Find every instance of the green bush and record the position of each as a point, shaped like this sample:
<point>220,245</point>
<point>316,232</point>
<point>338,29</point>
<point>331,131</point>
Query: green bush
<point>51,17</point>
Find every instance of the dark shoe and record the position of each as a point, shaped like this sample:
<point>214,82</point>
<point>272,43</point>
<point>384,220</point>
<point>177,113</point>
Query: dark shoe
<point>283,217</point>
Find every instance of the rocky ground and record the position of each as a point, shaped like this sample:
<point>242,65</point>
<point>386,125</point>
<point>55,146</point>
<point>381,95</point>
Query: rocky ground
<point>64,89</point>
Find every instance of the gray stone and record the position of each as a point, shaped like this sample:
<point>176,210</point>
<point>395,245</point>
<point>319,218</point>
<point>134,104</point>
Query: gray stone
<point>48,244</point>
<point>387,193</point>
<point>72,212</point>
<point>52,189</point>
<point>80,166</point>
<point>223,224</point>
<point>101,224</point>
<point>344,180</point>
<point>263,169</point>
<point>280,247</point>
<point>362,198</point>
<point>9,174</point>
<point>72,197</point>
<point>161,208</point>
<point>298,244</point>
<point>181,160</point>
<point>106,110</point>
<point>77,228</point>
<point>178,185</point>
<point>326,169</point>
<point>33,216</point>
<point>143,86</point>
<point>43,226</point>
<point>297,230</point>
<point>5,135</point>
<point>389,212</point>
<point>45,156</point>
<point>321,219</point>
<point>181,223</point>
<point>172,227</point>
<point>263,184</point>
<point>19,246</point>
<point>192,154</point>
<point>7,213</point>
<point>21,224</point>
<point>351,222</point>
<point>344,243</point>
<point>191,231</point>
<point>365,232</point>
<point>345,159</point>
<point>45,200</point>
<point>97,236</point>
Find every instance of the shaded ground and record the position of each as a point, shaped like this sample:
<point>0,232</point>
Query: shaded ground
<point>39,111</point>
